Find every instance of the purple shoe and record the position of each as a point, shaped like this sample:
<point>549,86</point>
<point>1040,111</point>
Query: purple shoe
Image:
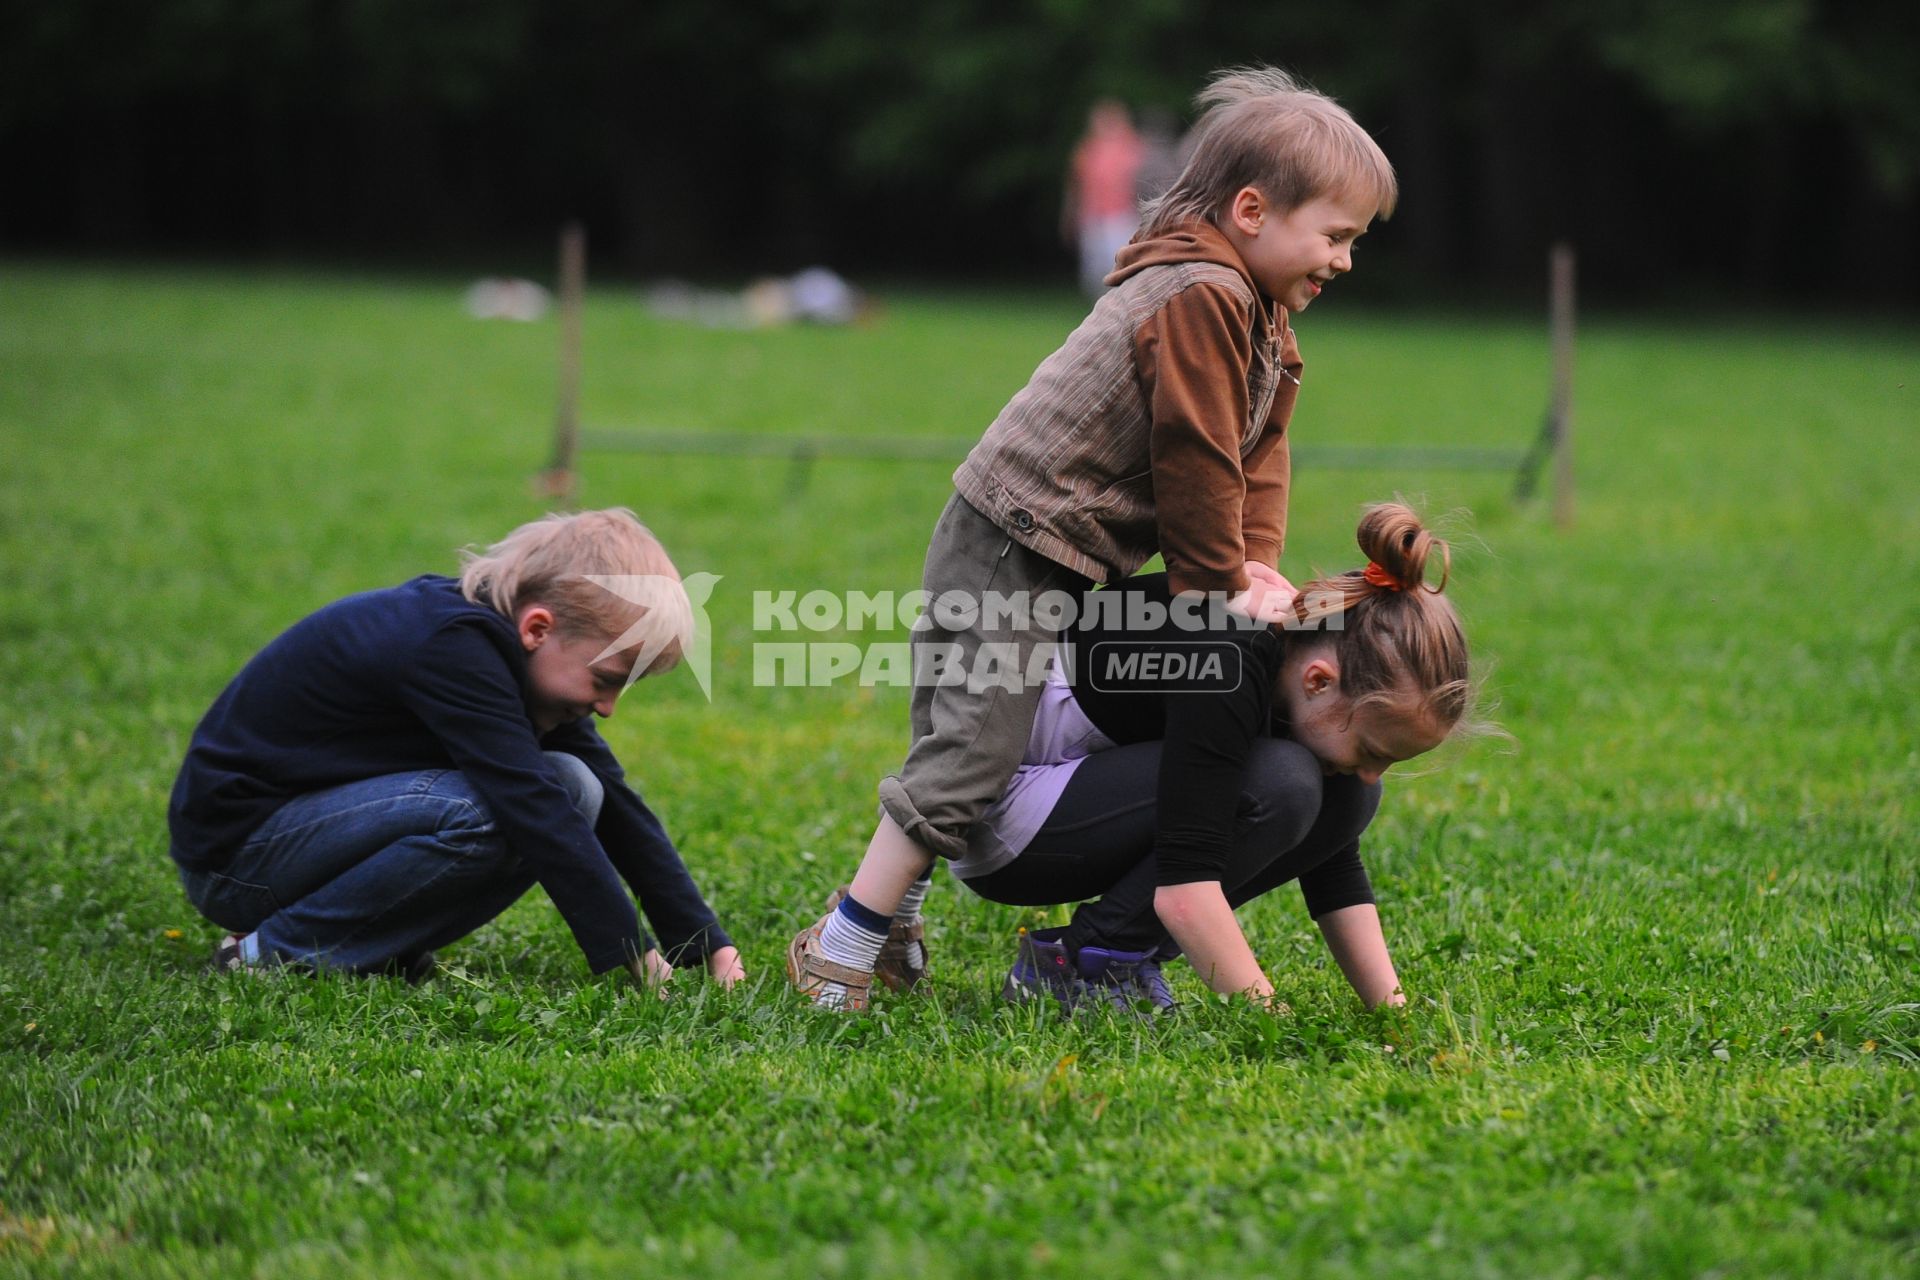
<point>1124,979</point>
<point>1153,986</point>
<point>1042,968</point>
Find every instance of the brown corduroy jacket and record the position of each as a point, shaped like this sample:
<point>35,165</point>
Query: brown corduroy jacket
<point>1159,425</point>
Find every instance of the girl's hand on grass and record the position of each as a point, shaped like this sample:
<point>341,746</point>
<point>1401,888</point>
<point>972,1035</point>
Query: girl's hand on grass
<point>1204,927</point>
<point>1358,944</point>
<point>725,968</point>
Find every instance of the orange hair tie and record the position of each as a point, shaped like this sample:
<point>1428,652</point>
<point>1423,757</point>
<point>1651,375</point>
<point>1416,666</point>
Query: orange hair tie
<point>1375,574</point>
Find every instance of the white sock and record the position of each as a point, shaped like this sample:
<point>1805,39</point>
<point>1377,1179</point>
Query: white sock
<point>915,895</point>
<point>846,941</point>
<point>250,949</point>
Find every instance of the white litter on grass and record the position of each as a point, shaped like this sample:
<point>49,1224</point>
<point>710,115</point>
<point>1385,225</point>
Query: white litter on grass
<point>501,298</point>
<point>818,295</point>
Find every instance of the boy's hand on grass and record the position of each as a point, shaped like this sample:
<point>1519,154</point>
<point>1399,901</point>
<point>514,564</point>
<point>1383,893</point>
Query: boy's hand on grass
<point>651,972</point>
<point>1268,595</point>
<point>659,972</point>
<point>724,966</point>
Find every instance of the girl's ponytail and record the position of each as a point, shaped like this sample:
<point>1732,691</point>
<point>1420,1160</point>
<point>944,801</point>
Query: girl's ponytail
<point>1396,639</point>
<point>1392,537</point>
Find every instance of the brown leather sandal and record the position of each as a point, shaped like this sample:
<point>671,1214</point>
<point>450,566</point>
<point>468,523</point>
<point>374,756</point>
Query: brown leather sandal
<point>903,957</point>
<point>810,972</point>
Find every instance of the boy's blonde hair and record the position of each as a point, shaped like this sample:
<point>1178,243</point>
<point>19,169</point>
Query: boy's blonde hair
<point>1262,128</point>
<point>602,573</point>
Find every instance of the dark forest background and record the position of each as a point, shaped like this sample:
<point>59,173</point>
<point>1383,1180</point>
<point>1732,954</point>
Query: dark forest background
<point>1763,150</point>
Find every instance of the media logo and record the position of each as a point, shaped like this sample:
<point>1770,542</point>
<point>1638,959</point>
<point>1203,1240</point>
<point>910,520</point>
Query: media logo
<point>1165,666</point>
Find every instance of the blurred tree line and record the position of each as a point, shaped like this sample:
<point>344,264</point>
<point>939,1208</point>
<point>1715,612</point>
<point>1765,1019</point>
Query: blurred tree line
<point>1762,149</point>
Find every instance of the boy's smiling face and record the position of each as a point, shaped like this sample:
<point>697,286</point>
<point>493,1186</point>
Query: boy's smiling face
<point>564,683</point>
<point>1293,255</point>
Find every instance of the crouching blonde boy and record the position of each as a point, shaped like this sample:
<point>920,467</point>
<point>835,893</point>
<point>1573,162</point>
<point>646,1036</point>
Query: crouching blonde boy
<point>396,769</point>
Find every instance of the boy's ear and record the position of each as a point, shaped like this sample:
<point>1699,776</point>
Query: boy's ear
<point>536,624</point>
<point>1247,210</point>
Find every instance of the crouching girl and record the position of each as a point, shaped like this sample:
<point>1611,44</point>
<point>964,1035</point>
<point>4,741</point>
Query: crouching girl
<point>398,768</point>
<point>1181,769</point>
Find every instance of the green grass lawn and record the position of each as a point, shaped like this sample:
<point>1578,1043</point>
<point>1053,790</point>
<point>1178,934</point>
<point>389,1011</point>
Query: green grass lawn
<point>1660,947</point>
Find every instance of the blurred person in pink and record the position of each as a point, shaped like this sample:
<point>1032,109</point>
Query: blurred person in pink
<point>1102,211</point>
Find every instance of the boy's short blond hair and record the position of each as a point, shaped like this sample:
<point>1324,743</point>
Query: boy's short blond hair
<point>1259,127</point>
<point>602,573</point>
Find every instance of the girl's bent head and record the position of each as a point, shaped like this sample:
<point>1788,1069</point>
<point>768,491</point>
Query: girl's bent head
<point>1376,667</point>
<point>601,576</point>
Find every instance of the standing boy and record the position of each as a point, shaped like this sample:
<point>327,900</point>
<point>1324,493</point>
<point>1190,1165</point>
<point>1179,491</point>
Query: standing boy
<point>1160,425</point>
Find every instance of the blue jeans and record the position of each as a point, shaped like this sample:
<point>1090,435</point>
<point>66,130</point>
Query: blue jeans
<point>372,874</point>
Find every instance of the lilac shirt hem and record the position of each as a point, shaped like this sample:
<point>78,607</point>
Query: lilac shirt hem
<point>1062,737</point>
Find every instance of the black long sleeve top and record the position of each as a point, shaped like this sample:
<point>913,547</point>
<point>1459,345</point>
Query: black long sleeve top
<point>1205,687</point>
<point>418,677</point>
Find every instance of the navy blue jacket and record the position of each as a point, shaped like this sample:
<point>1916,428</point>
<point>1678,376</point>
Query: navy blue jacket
<point>418,677</point>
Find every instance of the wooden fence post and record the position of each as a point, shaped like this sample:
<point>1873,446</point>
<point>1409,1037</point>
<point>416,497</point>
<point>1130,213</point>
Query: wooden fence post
<point>1562,306</point>
<point>560,479</point>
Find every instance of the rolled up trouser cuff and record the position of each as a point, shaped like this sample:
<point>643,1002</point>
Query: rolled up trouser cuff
<point>900,807</point>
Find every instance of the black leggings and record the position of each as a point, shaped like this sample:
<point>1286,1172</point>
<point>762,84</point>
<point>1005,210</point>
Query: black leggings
<point>1098,841</point>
